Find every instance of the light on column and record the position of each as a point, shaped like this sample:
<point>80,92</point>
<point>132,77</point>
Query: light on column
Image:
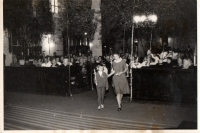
<point>143,18</point>
<point>152,18</point>
<point>136,19</point>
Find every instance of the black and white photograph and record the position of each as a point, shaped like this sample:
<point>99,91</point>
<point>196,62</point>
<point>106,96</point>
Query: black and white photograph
<point>99,65</point>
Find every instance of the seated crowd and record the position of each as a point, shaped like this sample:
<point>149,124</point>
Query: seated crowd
<point>165,59</point>
<point>85,66</point>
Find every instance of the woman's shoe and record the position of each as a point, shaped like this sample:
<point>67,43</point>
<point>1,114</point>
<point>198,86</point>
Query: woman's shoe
<point>119,109</point>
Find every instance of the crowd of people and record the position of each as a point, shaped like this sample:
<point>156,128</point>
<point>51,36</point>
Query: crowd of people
<point>87,64</point>
<point>99,70</point>
<point>165,59</point>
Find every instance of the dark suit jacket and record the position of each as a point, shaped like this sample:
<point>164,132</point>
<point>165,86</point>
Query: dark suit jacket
<point>108,65</point>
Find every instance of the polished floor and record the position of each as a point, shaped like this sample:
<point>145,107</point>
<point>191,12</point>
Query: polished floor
<point>25,111</point>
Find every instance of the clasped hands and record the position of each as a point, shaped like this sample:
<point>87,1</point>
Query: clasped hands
<point>119,73</point>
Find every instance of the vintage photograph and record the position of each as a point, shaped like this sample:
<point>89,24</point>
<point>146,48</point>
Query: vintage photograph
<point>100,65</point>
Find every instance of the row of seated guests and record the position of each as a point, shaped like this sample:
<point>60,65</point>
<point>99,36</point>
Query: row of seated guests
<point>167,59</point>
<point>84,66</point>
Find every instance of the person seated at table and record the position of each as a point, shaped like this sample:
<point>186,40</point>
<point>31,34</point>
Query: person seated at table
<point>88,58</point>
<point>163,56</point>
<point>95,58</point>
<point>175,55</point>
<point>136,58</point>
<point>39,63</point>
<point>134,62</point>
<point>45,64</point>
<point>61,59</point>
<point>15,62</point>
<point>43,57</point>
<point>191,63</point>
<point>58,63</point>
<point>179,62</point>
<point>81,62</point>
<point>156,59</point>
<point>189,52</point>
<point>169,53</point>
<point>168,64</point>
<point>187,63</point>
<point>26,62</point>
<point>72,61</point>
<point>138,65</point>
<point>49,60</point>
<point>53,62</point>
<point>85,61</point>
<point>146,61</point>
<point>65,62</point>
<point>149,57</point>
<point>99,59</point>
<point>82,55</point>
<point>74,56</point>
<point>35,61</point>
<point>54,54</point>
<point>92,60</point>
<point>76,60</point>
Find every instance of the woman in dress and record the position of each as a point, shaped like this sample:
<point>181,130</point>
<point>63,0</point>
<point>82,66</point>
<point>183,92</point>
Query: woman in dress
<point>119,69</point>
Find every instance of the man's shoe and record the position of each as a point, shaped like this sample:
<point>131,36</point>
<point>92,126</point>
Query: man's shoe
<point>102,106</point>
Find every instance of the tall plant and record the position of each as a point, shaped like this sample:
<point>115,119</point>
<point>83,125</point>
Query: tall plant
<point>77,18</point>
<point>42,21</point>
<point>19,18</point>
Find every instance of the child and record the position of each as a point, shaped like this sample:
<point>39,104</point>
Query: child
<point>101,82</point>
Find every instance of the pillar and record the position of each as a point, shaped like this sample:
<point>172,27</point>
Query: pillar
<point>97,42</point>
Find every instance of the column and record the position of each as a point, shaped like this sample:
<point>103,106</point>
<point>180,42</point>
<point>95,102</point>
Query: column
<point>97,42</point>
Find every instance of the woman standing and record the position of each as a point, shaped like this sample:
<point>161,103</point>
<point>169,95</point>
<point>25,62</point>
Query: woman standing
<point>120,82</point>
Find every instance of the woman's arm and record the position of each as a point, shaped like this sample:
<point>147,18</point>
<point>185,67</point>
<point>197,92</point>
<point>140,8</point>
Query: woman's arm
<point>112,72</point>
<point>126,69</point>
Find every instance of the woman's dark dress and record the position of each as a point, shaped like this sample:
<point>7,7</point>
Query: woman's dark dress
<point>120,82</point>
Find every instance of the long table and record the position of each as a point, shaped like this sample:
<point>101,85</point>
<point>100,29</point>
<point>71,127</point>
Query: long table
<point>61,81</point>
<point>176,85</point>
<point>148,83</point>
